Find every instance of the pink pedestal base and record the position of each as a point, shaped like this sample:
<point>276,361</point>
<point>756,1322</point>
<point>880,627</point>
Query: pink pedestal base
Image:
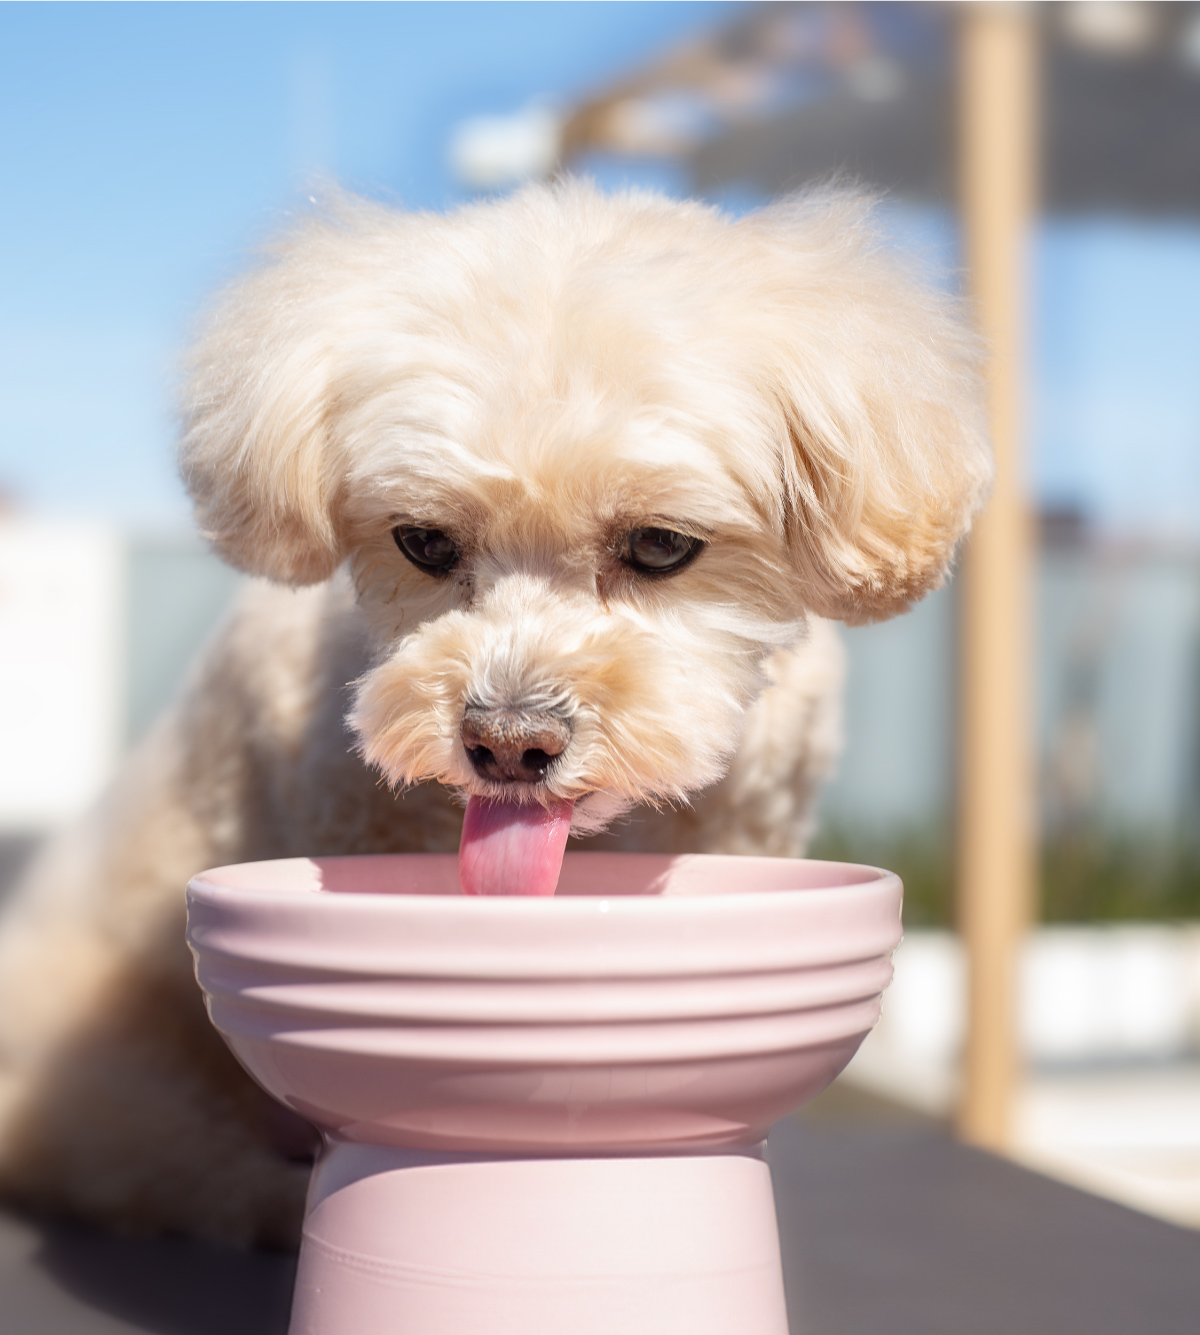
<point>410,1244</point>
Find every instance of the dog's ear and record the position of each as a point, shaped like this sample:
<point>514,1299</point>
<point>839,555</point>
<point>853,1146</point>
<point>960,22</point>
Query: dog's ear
<point>257,451</point>
<point>873,382</point>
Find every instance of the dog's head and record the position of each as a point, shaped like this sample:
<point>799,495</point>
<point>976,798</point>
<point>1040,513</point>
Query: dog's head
<point>589,460</point>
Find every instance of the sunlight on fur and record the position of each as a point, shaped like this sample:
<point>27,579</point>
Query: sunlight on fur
<point>525,386</point>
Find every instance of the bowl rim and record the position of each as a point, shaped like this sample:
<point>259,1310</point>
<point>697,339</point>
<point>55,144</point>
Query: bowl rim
<point>875,881</point>
<point>575,936</point>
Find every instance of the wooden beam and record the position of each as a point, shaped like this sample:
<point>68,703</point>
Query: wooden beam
<point>996,840</point>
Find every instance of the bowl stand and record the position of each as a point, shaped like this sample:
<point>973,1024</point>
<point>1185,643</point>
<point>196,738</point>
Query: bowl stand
<point>404,1243</point>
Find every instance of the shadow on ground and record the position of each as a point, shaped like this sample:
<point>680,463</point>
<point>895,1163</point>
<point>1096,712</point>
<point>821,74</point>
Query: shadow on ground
<point>887,1225</point>
<point>64,1279</point>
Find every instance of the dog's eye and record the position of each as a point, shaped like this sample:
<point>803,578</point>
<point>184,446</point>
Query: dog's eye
<point>428,548</point>
<point>656,551</point>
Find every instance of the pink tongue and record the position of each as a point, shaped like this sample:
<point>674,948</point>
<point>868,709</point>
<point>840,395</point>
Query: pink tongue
<point>509,849</point>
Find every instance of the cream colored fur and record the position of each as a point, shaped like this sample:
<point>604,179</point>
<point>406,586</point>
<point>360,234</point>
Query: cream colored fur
<point>536,378</point>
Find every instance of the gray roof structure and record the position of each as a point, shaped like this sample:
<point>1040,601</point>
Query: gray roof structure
<point>791,92</point>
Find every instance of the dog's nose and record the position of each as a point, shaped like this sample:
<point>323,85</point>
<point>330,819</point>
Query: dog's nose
<point>512,745</point>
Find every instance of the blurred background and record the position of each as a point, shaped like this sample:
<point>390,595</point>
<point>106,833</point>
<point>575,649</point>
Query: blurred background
<point>147,150</point>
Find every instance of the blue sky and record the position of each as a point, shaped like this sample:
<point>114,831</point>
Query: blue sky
<point>144,148</point>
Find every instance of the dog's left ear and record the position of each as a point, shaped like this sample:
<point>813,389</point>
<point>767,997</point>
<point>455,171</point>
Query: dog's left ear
<point>873,383</point>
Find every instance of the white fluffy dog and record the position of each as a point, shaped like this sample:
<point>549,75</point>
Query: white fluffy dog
<point>570,483</point>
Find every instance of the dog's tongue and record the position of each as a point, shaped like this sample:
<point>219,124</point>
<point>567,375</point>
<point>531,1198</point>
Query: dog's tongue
<point>509,849</point>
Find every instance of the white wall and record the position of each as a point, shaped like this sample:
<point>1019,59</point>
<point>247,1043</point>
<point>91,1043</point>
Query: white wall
<point>1088,996</point>
<point>61,646</point>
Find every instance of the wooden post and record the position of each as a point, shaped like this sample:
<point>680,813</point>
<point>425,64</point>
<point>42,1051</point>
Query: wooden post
<point>996,842</point>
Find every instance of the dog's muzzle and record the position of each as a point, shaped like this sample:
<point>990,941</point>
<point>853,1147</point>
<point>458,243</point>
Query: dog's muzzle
<point>513,745</point>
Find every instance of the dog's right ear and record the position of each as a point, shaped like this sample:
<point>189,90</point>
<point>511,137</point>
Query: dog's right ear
<point>257,453</point>
<point>874,380</point>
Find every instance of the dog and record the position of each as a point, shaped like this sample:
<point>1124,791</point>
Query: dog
<point>551,502</point>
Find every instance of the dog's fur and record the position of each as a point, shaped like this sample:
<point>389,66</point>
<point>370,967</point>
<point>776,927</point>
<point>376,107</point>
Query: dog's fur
<point>535,377</point>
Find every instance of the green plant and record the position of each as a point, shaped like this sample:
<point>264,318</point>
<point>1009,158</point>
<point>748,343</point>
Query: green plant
<point>922,857</point>
<point>1089,874</point>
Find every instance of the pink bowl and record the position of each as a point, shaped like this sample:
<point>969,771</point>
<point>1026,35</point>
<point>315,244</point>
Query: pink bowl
<point>543,1116</point>
<point>654,1002</point>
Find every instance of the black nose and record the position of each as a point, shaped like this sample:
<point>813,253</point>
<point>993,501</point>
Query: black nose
<point>512,745</point>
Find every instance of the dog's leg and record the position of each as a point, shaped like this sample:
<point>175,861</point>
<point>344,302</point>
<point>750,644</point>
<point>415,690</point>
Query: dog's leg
<point>118,1101</point>
<point>137,1117</point>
